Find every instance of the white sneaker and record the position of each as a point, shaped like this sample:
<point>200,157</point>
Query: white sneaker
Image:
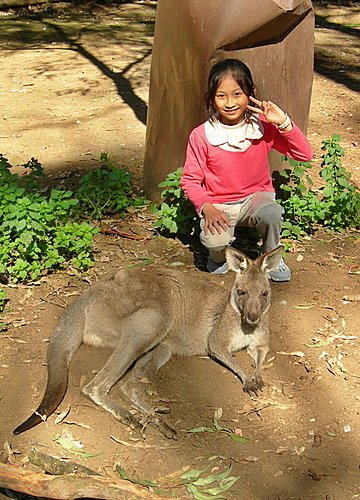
<point>281,273</point>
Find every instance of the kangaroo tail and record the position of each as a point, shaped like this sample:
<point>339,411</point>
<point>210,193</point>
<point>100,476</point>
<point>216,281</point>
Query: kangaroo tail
<point>54,394</point>
<point>63,345</point>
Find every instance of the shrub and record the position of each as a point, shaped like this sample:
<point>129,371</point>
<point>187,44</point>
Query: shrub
<point>106,190</point>
<point>335,205</point>
<point>175,214</point>
<point>2,302</point>
<point>33,226</point>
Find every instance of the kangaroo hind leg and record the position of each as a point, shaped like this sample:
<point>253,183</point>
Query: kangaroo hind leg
<point>116,366</point>
<point>133,387</point>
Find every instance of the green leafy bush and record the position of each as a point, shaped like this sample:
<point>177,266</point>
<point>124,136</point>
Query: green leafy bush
<point>175,214</point>
<point>106,190</point>
<point>340,197</point>
<point>2,300</point>
<point>334,205</point>
<point>301,203</point>
<point>34,225</point>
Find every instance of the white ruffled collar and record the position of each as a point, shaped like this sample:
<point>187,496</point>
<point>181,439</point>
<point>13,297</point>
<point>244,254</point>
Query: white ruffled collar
<point>234,137</point>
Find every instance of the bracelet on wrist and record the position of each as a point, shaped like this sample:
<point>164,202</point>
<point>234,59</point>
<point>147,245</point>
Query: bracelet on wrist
<point>286,123</point>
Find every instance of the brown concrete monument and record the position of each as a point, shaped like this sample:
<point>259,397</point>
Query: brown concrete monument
<point>274,37</point>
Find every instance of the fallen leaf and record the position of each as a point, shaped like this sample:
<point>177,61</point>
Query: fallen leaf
<point>218,413</point>
<point>299,354</point>
<point>304,306</point>
<point>299,451</point>
<point>251,459</point>
<point>317,440</point>
<point>141,482</point>
<point>26,296</point>
<point>20,322</point>
<point>9,452</point>
<point>315,476</point>
<point>67,441</point>
<point>352,298</point>
<point>62,415</point>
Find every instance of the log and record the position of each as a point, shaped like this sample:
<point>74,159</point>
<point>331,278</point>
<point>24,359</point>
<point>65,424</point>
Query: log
<point>57,466</point>
<point>67,487</point>
<point>23,3</point>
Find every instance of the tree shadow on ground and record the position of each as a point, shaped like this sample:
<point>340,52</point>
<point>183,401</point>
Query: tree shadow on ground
<point>27,31</point>
<point>123,85</point>
<point>329,64</point>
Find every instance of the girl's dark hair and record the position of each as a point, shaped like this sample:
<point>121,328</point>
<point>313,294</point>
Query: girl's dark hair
<point>228,67</point>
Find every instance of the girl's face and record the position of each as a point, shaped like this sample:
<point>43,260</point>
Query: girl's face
<point>230,101</point>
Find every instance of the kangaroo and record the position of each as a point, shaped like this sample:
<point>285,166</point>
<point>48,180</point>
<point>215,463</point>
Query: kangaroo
<point>146,315</point>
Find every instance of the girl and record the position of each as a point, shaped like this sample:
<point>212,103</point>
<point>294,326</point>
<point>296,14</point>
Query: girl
<point>227,173</point>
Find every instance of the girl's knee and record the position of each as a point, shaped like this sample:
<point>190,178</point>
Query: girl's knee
<point>270,214</point>
<point>216,241</point>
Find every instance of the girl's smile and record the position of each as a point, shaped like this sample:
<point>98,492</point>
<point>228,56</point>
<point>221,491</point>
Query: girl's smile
<point>230,101</point>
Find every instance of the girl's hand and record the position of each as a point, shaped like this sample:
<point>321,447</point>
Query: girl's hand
<point>215,220</point>
<point>272,112</point>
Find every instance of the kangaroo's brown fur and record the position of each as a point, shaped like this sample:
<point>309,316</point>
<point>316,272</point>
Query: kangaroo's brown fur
<point>146,315</point>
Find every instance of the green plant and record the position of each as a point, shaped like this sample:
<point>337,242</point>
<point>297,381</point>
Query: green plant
<point>301,204</point>
<point>106,190</point>
<point>2,300</point>
<point>202,487</point>
<point>37,228</point>
<point>334,205</point>
<point>340,198</point>
<point>175,214</point>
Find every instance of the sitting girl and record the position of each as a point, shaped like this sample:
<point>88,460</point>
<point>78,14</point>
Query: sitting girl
<point>227,172</point>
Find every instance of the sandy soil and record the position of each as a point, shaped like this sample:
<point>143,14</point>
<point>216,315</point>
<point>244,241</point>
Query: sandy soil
<point>64,102</point>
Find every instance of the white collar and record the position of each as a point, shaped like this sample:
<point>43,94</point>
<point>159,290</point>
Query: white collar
<point>234,137</point>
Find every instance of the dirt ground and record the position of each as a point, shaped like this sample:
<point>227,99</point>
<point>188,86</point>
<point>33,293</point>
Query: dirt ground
<point>63,100</point>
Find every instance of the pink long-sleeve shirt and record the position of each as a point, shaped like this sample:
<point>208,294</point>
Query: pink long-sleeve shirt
<point>214,175</point>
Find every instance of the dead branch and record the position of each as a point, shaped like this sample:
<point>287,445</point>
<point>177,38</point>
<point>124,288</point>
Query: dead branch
<point>70,487</point>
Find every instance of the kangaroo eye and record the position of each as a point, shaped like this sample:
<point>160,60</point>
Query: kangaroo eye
<point>241,293</point>
<point>265,294</point>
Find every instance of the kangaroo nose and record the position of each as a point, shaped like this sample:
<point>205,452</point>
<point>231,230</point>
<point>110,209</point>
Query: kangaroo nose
<point>252,318</point>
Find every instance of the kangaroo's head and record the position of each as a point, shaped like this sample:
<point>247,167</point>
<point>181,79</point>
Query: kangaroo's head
<point>251,293</point>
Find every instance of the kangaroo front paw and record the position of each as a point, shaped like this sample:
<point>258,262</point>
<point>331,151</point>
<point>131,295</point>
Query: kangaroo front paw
<point>253,385</point>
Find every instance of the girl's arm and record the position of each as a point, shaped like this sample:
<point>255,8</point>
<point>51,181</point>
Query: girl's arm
<point>192,182</point>
<point>293,144</point>
<point>192,179</point>
<point>287,137</point>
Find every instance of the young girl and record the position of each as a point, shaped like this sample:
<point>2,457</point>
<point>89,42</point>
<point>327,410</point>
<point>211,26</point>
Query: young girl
<point>227,173</point>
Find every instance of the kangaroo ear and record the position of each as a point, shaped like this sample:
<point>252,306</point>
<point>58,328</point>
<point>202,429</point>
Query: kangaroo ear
<point>271,260</point>
<point>237,261</point>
